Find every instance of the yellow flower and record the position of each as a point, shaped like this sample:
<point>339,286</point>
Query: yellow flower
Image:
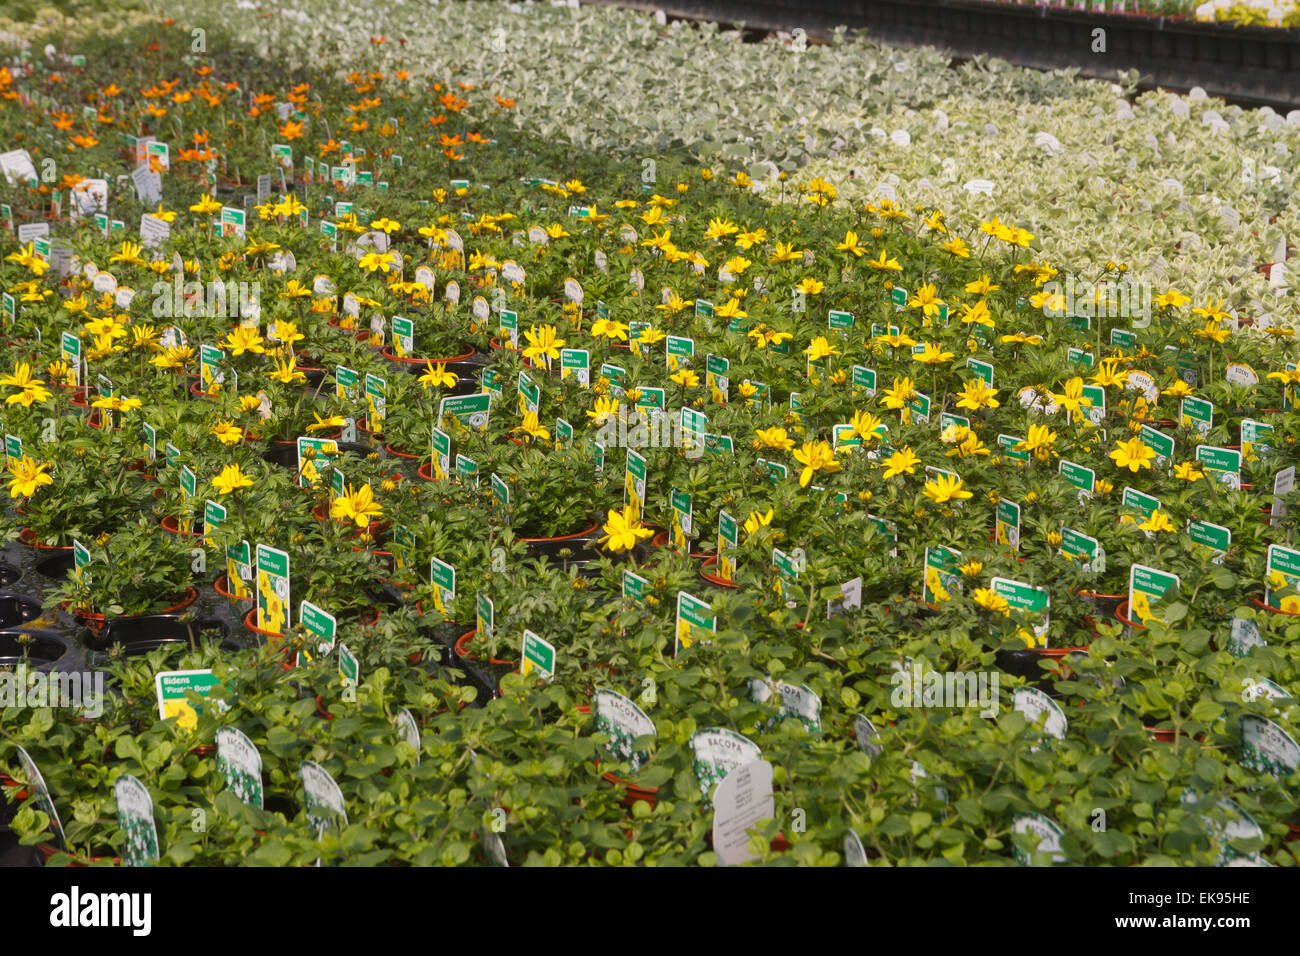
<point>971,568</point>
<point>850,244</point>
<point>1189,471</point>
<point>609,329</point>
<point>686,378</point>
<point>325,424</point>
<point>1157,522</point>
<point>786,252</point>
<point>732,310</point>
<point>736,265</point>
<point>1133,454</point>
<point>885,264</point>
<point>819,349</point>
<point>386,225</point>
<point>774,437</point>
<point>927,300</point>
<point>438,377</point>
<point>532,427</point>
<point>30,389</point>
<point>1054,538</point>
<point>897,396</point>
<point>1072,398</point>
<point>991,601</point>
<point>1212,331</point>
<point>287,372</point>
<point>815,457</point>
<point>957,247</point>
<point>228,433</point>
<point>1172,299</point>
<point>945,488</point>
<point>650,336</point>
<point>605,408</point>
<point>359,506</point>
<point>231,479</point>
<point>1040,442</point>
<point>981,286</point>
<point>757,521</point>
<point>542,343</point>
<point>810,286</point>
<point>372,261</point>
<point>623,530</point>
<point>243,340</point>
<point>28,475</point>
<point>865,425</point>
<point>130,252</point>
<point>933,354</point>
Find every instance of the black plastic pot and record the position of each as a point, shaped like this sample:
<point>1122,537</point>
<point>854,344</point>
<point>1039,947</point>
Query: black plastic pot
<point>9,576</point>
<point>57,566</point>
<point>46,650</point>
<point>16,609</point>
<point>156,630</point>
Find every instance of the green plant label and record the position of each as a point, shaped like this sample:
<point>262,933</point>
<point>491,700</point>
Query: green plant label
<point>704,311</point>
<point>1197,413</point>
<point>321,798</point>
<point>843,435</point>
<point>678,352</point>
<point>1138,502</point>
<point>466,468</point>
<point>1006,528</point>
<point>576,363</point>
<point>1123,338</point>
<point>1080,357</point>
<point>312,454</point>
<point>1162,444</point>
<point>716,752</point>
<point>135,819</point>
<point>70,353</point>
<point>1223,463</point>
<point>776,471</point>
<point>500,490</point>
<point>624,723</point>
<point>239,569</point>
<point>1026,599</point>
<point>530,394</point>
<point>1084,549</point>
<point>1147,586</point>
<point>983,370</point>
<point>272,590</point>
<point>1282,573</point>
<point>150,441</point>
<point>233,222</point>
<point>1255,437</point>
<point>919,406</point>
<point>880,330</point>
<point>189,482</point>
<point>864,379</point>
<point>241,764</point>
<point>634,483</point>
<point>403,336</point>
<point>440,457</point>
<point>471,410</point>
<point>717,377</point>
<point>484,615</point>
<point>214,516</point>
<point>1097,410</point>
<point>13,450</point>
<point>728,541</point>
<point>171,688</point>
<point>898,296</point>
<point>376,401</point>
<point>683,514</point>
<point>1085,479</point>
<point>948,420</point>
<point>320,624</point>
<point>635,587</point>
<point>696,621</point>
<point>719,444</point>
<point>1007,444</point>
<point>1267,748</point>
<point>211,361</point>
<point>840,321</point>
<point>345,383</point>
<point>787,573</point>
<point>942,576</point>
<point>694,426</point>
<point>537,656</point>
<point>349,667</point>
<point>443,578</point>
<point>1213,536</point>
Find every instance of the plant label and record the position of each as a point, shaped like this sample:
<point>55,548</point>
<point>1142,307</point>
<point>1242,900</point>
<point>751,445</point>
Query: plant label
<point>743,799</point>
<point>135,819</point>
<point>1146,586</point>
<point>696,621</point>
<point>537,656</point>
<point>241,764</point>
<point>322,798</point>
<point>443,578</point>
<point>272,590</point>
<point>716,752</point>
<point>624,723</point>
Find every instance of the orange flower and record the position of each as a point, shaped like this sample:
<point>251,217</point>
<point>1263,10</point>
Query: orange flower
<point>329,147</point>
<point>110,91</point>
<point>85,142</point>
<point>504,103</point>
<point>452,102</point>
<point>437,120</point>
<point>452,154</point>
<point>476,138</point>
<point>62,121</point>
<point>291,130</point>
<point>445,140</point>
<point>203,70</point>
<point>263,99</point>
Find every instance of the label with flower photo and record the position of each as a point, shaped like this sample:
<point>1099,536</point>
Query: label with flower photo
<point>1282,574</point>
<point>787,573</point>
<point>793,700</point>
<point>1267,748</point>
<point>508,327</point>
<point>273,609</point>
<point>1032,702</point>
<point>635,587</point>
<point>530,393</point>
<point>214,516</point>
<point>135,819</point>
<point>1255,437</point>
<point>839,321</point>
<point>1047,833</point>
<point>70,354</point>
<point>1162,444</point>
<point>1006,528</point>
<point>717,378</point>
<point>1028,600</point>
<point>696,621</point>
<point>403,336</point>
<point>728,541</point>
<point>1197,413</point>
<point>634,483</point>
<point>240,764</point>
<point>682,529</point>
<point>189,482</point>
<point>843,435</point>
<point>942,574</point>
<point>345,383</point>
<point>239,569</point>
<point>678,352</point>
<point>471,410</point>
<point>537,655</point>
<point>919,407</point>
<point>716,752</point>
<point>312,454</point>
<point>563,432</point>
<point>171,689</point>
<point>1147,586</point>
<point>376,401</point>
<point>321,798</point>
<point>624,723</point>
<point>211,374</point>
<point>440,454</point>
<point>948,420</point>
<point>1223,464</point>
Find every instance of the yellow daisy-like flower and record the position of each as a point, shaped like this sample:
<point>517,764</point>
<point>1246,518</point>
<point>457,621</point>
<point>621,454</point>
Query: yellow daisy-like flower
<point>622,530</point>
<point>815,456</point>
<point>227,432</point>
